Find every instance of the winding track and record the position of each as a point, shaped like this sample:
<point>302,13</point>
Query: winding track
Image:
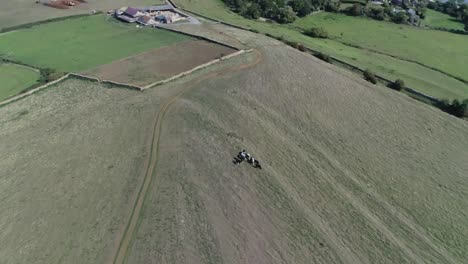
<point>125,240</point>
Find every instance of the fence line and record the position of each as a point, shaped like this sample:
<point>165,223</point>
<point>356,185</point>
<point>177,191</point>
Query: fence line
<point>169,28</point>
<point>108,82</point>
<point>199,67</point>
<point>32,91</point>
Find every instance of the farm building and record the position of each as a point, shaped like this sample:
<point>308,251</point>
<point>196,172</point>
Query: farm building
<point>146,20</point>
<point>129,14</point>
<point>132,12</point>
<point>157,8</point>
<point>149,15</point>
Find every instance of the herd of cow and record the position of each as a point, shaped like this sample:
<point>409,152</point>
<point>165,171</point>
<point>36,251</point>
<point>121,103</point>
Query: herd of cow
<point>244,156</point>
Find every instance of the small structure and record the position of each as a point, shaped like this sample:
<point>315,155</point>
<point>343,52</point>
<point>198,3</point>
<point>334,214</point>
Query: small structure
<point>130,14</point>
<point>146,21</point>
<point>160,18</point>
<point>157,8</point>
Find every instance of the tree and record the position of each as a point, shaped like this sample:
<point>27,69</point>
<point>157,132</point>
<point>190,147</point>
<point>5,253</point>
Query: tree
<point>252,11</point>
<point>316,32</point>
<point>285,15</point>
<point>333,6</point>
<point>376,13</point>
<point>399,18</point>
<point>301,48</point>
<point>301,7</point>
<point>456,108</point>
<point>465,18</point>
<point>370,76</point>
<point>355,10</point>
<point>322,56</point>
<point>398,85</point>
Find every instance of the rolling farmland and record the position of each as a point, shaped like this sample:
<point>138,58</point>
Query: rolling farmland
<point>18,12</point>
<point>416,76</point>
<point>102,40</point>
<point>446,51</point>
<point>352,172</point>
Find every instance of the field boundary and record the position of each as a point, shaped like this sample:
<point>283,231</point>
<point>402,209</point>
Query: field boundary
<point>113,84</point>
<point>32,91</point>
<point>403,59</point>
<point>108,82</point>
<point>32,24</point>
<point>170,28</point>
<point>199,67</point>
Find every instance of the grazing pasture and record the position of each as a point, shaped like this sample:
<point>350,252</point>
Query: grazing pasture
<point>437,49</point>
<point>73,157</point>
<point>15,78</point>
<point>416,76</point>
<point>160,64</point>
<point>435,19</point>
<point>101,40</point>
<point>18,12</point>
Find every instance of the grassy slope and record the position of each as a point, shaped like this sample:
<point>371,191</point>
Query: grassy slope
<point>72,158</point>
<point>101,40</point>
<point>356,174</point>
<point>415,76</point>
<point>15,78</point>
<point>436,19</point>
<point>72,162</point>
<point>442,50</point>
<point>18,12</point>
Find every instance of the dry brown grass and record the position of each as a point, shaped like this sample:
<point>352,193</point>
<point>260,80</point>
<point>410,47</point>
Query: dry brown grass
<point>160,64</point>
<point>353,173</point>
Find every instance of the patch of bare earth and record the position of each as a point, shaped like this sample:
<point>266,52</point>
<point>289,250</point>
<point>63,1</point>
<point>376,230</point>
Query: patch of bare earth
<point>161,63</point>
<point>64,4</point>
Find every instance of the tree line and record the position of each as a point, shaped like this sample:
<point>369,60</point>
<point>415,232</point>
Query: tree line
<point>280,11</point>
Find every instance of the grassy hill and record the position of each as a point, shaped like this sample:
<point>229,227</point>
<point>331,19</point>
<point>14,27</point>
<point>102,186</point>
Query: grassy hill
<point>416,76</point>
<point>353,173</point>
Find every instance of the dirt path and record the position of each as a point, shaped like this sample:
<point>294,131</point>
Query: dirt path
<point>151,161</point>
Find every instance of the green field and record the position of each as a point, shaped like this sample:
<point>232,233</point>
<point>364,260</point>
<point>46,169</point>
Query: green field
<point>416,76</point>
<point>18,12</point>
<point>436,19</point>
<point>441,50</point>
<point>101,40</point>
<point>15,78</point>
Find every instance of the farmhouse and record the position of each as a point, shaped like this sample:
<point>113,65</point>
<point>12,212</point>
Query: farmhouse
<point>129,14</point>
<point>151,15</point>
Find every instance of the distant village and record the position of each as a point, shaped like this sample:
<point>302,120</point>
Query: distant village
<point>150,16</point>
